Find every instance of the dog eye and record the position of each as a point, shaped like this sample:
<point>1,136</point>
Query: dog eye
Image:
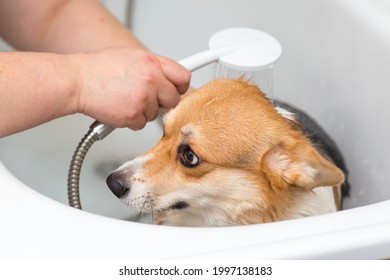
<point>188,158</point>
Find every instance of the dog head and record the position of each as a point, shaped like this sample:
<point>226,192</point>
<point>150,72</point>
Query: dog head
<point>227,157</point>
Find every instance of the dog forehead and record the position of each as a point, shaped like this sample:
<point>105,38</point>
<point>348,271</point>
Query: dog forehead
<point>188,130</point>
<point>222,110</point>
<point>168,117</point>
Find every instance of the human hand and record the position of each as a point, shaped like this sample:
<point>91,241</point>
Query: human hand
<point>125,87</point>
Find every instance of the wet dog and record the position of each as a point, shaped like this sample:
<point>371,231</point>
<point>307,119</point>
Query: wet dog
<point>231,156</point>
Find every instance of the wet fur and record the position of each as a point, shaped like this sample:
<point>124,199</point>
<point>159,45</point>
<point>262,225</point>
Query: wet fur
<point>256,165</point>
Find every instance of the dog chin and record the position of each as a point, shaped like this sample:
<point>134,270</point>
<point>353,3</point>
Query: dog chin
<point>188,217</point>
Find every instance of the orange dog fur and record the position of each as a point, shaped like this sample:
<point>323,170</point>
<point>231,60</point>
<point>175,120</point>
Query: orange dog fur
<point>228,157</point>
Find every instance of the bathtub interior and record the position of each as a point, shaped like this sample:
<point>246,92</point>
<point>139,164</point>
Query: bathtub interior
<point>335,66</point>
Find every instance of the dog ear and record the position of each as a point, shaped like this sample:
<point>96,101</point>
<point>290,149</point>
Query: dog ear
<point>300,165</point>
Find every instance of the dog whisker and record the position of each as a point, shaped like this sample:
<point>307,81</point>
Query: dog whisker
<point>138,215</point>
<point>151,207</point>
<point>165,214</point>
<point>142,209</point>
<point>133,217</point>
<point>207,215</point>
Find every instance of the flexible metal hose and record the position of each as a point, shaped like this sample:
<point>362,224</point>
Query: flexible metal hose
<point>96,132</point>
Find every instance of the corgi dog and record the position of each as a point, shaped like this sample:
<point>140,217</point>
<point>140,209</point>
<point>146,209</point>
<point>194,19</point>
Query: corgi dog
<point>231,156</point>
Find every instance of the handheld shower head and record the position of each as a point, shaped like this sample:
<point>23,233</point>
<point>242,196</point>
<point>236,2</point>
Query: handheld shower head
<point>240,52</point>
<point>242,49</point>
<point>237,49</point>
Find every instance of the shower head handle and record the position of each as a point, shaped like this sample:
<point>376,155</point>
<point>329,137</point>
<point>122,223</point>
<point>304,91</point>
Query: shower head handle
<point>204,58</point>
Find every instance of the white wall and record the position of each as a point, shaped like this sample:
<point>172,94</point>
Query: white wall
<point>4,46</point>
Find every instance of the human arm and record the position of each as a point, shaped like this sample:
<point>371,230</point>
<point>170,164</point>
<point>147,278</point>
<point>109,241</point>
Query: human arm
<point>62,26</point>
<point>121,87</point>
<point>107,85</point>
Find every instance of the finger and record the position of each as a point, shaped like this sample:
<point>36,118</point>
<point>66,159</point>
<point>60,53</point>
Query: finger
<point>137,122</point>
<point>168,96</point>
<point>176,74</point>
<point>151,110</point>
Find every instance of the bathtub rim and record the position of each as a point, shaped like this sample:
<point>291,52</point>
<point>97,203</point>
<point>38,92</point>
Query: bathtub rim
<point>327,236</point>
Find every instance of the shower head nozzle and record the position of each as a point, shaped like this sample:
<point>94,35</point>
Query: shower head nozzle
<point>258,50</point>
<point>242,49</point>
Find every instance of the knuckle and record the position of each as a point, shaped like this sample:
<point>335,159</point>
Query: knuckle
<point>150,58</point>
<point>152,114</point>
<point>137,125</point>
<point>149,80</point>
<point>132,114</point>
<point>121,123</point>
<point>142,98</point>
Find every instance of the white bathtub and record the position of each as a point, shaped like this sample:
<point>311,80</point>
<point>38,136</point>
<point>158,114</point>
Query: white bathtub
<point>335,65</point>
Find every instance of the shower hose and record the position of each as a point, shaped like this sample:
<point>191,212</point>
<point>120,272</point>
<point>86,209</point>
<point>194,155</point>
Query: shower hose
<point>96,132</point>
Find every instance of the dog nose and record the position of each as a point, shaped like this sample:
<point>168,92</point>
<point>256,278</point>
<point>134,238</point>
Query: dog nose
<point>116,185</point>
